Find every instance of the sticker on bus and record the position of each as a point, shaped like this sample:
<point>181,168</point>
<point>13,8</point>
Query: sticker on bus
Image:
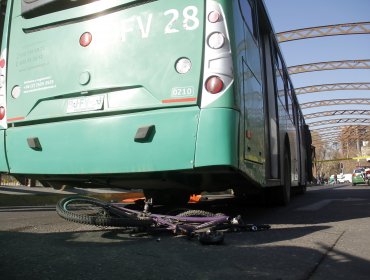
<point>182,91</point>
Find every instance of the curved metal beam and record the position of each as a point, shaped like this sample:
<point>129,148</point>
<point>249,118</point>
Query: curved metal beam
<point>337,113</point>
<point>335,128</point>
<point>321,31</point>
<point>358,101</point>
<point>332,87</point>
<point>332,132</point>
<point>340,121</point>
<point>329,65</point>
<point>343,138</point>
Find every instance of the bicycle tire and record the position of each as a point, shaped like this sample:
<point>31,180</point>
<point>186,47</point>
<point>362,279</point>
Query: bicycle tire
<point>196,213</point>
<point>99,217</point>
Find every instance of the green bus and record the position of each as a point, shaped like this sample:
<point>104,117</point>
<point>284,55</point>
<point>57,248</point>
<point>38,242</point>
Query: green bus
<point>172,97</point>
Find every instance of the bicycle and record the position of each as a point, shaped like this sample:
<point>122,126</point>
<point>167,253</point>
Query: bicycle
<point>205,225</point>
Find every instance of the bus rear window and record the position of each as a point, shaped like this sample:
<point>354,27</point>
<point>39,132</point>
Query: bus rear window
<point>35,8</point>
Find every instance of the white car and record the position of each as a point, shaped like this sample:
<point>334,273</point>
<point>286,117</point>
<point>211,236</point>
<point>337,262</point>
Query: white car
<point>344,178</point>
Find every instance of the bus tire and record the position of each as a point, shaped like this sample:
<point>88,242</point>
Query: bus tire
<point>300,190</point>
<point>280,196</point>
<point>285,189</point>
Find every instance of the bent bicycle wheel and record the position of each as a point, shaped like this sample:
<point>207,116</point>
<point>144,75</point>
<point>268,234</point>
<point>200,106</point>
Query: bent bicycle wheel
<point>196,213</point>
<point>86,210</point>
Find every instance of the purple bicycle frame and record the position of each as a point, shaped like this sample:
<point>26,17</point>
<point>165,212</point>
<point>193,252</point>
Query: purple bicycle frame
<point>172,222</point>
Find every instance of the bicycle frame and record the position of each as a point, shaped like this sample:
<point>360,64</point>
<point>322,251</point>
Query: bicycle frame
<point>173,223</point>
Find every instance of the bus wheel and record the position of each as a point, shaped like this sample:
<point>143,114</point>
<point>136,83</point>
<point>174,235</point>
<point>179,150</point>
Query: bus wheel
<point>283,194</point>
<point>280,196</point>
<point>301,189</point>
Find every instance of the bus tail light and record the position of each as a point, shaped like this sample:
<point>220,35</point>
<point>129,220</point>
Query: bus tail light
<point>2,63</point>
<point>216,40</point>
<point>214,84</point>
<point>218,73</point>
<point>85,39</point>
<point>214,16</point>
<point>2,112</point>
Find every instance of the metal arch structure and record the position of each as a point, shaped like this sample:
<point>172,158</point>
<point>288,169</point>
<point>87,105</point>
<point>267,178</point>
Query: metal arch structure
<point>332,87</point>
<point>348,134</point>
<point>329,65</point>
<point>346,129</point>
<point>340,121</point>
<point>337,113</point>
<point>320,103</point>
<point>321,31</point>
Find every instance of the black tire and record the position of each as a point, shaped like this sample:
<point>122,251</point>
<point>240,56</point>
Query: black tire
<point>300,190</point>
<point>280,196</point>
<point>286,188</point>
<point>196,213</point>
<point>90,211</point>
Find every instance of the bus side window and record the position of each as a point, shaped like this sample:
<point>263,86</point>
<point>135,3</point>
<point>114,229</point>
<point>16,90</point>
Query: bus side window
<point>248,14</point>
<point>288,91</point>
<point>280,80</point>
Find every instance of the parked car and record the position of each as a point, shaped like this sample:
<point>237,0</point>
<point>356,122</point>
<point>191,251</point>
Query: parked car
<point>344,178</point>
<point>361,176</point>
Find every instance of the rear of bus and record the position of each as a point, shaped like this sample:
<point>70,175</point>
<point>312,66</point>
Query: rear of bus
<point>117,92</point>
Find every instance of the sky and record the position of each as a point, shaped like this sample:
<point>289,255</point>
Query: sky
<point>295,14</point>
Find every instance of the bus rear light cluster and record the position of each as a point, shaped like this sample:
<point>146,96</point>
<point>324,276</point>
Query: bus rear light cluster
<point>218,73</point>
<point>3,60</point>
<point>214,84</point>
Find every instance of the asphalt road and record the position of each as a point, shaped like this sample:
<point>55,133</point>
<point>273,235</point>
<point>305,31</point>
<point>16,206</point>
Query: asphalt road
<point>324,234</point>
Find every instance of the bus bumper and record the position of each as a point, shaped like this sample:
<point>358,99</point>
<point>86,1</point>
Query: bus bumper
<point>105,145</point>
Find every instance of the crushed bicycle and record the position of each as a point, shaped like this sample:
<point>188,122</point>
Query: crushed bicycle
<point>206,226</point>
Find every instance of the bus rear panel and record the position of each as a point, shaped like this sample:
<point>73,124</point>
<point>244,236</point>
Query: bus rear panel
<point>152,94</point>
<point>103,88</point>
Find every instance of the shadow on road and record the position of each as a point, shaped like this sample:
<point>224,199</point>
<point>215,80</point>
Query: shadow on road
<point>115,254</point>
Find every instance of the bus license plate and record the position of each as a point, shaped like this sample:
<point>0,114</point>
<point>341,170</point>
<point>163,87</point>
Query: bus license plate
<point>85,104</point>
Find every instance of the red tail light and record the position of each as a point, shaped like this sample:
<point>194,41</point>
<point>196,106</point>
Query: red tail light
<point>2,63</point>
<point>2,112</point>
<point>214,84</point>
<point>85,39</point>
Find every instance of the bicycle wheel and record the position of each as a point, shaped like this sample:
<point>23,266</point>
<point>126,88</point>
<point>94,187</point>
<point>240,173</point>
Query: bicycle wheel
<point>86,210</point>
<point>196,213</point>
